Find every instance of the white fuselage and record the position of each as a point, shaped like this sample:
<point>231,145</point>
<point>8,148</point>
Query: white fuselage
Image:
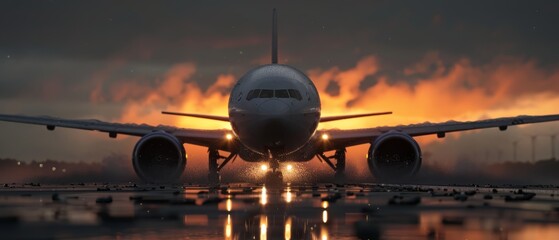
<point>274,110</point>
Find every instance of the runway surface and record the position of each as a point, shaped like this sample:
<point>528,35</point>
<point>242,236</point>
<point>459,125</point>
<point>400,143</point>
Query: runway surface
<point>247,211</point>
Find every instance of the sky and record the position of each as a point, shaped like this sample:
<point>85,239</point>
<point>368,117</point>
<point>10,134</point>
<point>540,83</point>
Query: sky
<point>430,61</point>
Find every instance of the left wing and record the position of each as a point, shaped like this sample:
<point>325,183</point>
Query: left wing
<point>345,138</point>
<point>195,115</point>
<point>208,138</point>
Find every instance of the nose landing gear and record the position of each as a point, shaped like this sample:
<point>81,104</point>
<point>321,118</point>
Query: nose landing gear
<point>274,177</point>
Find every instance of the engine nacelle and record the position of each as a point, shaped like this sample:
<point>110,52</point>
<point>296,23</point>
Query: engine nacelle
<point>159,157</point>
<point>394,155</point>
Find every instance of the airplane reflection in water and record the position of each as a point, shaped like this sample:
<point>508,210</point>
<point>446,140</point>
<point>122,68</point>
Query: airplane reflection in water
<point>302,216</point>
<point>244,211</point>
<point>272,220</point>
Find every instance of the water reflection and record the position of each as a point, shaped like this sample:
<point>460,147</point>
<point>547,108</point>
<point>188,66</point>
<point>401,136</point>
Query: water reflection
<point>301,212</point>
<point>323,233</point>
<point>324,212</point>
<point>294,213</point>
<point>229,204</point>
<point>288,229</point>
<point>228,228</point>
<point>263,227</point>
<point>288,196</point>
<point>277,214</point>
<point>196,220</point>
<point>324,204</point>
<point>263,196</point>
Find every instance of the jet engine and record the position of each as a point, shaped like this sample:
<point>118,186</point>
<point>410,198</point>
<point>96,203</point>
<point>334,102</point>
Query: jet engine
<point>159,157</point>
<point>394,155</point>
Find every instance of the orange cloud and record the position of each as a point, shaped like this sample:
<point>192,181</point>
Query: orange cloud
<point>177,92</point>
<point>461,92</point>
<point>99,78</point>
<point>433,92</point>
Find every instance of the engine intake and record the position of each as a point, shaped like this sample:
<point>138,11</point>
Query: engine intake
<point>159,157</point>
<point>393,156</point>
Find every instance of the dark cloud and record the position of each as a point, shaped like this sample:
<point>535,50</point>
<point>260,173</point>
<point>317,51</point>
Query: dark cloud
<point>171,31</point>
<point>67,41</point>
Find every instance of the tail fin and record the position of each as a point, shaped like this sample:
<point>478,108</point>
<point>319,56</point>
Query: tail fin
<point>275,38</point>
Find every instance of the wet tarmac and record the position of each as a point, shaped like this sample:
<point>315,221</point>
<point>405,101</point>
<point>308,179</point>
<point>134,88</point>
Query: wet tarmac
<point>247,211</point>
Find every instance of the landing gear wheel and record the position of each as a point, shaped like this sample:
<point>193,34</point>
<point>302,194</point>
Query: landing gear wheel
<point>213,176</point>
<point>340,176</point>
<point>273,179</point>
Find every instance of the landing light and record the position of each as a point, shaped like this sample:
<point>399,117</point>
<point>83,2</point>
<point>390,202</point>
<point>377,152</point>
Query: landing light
<point>325,204</point>
<point>264,167</point>
<point>229,136</point>
<point>289,167</point>
<point>325,136</point>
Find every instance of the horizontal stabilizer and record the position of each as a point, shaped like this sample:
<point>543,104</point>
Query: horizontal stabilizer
<point>212,117</point>
<point>342,117</point>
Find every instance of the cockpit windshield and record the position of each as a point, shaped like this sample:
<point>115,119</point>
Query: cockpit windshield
<point>253,94</point>
<point>278,93</point>
<point>266,93</point>
<point>282,93</point>
<point>295,94</point>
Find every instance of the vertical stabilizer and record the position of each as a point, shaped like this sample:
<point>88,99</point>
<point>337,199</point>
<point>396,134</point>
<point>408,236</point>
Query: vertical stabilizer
<point>275,38</point>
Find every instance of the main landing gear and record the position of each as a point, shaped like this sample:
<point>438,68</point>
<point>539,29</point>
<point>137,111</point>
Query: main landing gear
<point>274,177</point>
<point>339,167</point>
<point>214,167</point>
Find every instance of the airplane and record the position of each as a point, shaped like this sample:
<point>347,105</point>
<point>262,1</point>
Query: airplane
<point>274,113</point>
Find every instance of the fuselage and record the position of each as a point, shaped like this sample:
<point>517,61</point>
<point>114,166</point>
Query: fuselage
<point>274,110</point>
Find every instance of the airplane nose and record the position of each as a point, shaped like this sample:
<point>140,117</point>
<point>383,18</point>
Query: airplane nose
<point>274,107</point>
<point>274,133</point>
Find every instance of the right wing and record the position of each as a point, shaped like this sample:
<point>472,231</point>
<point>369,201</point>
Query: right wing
<point>338,138</point>
<point>208,138</point>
